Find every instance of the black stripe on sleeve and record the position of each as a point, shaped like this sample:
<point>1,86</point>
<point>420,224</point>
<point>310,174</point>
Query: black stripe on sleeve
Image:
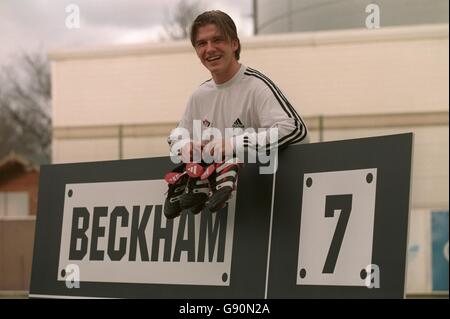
<point>292,109</point>
<point>299,133</point>
<point>295,132</point>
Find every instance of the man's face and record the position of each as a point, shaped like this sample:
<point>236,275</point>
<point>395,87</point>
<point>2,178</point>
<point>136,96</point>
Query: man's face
<point>214,50</point>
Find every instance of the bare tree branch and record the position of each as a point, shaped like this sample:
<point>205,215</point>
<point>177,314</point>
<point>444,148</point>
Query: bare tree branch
<point>180,21</point>
<point>25,102</point>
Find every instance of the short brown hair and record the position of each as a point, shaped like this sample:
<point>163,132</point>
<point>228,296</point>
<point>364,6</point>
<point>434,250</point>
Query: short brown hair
<point>222,21</point>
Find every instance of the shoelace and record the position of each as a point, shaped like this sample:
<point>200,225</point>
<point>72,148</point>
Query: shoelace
<point>229,170</point>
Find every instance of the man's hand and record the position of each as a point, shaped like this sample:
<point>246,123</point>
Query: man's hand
<point>218,150</point>
<point>191,152</point>
<point>214,151</point>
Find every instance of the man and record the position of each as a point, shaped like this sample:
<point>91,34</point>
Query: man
<point>236,97</point>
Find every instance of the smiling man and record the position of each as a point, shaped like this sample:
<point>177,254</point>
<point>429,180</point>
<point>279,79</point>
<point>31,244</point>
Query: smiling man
<point>217,50</point>
<point>237,97</point>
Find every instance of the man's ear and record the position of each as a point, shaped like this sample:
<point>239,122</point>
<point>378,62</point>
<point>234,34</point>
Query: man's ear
<point>234,45</point>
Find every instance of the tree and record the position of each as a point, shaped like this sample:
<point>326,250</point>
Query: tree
<point>180,21</point>
<point>25,106</point>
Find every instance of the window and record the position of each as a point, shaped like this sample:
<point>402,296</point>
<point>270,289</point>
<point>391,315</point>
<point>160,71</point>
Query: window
<point>14,204</point>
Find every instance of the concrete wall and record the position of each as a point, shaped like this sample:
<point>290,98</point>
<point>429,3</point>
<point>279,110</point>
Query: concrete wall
<point>343,72</point>
<point>145,87</point>
<point>16,253</point>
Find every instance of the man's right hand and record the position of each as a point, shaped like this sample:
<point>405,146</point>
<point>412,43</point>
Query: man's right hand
<point>191,152</point>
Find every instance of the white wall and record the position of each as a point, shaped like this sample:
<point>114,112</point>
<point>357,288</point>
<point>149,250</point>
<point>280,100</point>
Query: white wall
<point>430,161</point>
<point>345,72</point>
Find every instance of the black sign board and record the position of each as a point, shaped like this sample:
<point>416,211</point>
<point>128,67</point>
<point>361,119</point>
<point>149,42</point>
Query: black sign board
<point>331,223</point>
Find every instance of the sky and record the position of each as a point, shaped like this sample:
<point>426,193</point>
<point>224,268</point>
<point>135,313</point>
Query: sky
<point>31,25</point>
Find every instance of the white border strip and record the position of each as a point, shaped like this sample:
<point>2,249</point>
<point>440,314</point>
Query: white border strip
<point>271,223</point>
<point>408,228</point>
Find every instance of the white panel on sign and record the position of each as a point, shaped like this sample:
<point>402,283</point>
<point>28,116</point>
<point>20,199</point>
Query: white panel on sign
<point>117,232</point>
<point>336,231</point>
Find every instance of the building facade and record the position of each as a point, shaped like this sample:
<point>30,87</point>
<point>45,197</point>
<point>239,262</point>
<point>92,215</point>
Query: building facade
<point>321,15</point>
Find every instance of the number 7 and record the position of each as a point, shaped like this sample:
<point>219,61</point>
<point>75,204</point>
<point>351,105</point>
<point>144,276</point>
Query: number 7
<point>344,204</point>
